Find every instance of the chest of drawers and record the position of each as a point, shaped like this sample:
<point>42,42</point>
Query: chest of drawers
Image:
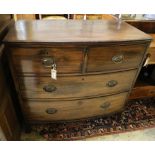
<point>97,63</point>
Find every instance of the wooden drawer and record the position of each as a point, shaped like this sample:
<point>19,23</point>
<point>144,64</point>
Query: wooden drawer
<point>115,57</point>
<point>75,109</point>
<point>76,86</point>
<point>40,60</point>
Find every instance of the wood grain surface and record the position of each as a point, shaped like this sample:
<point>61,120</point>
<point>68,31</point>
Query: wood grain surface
<point>72,59</point>
<point>76,109</point>
<point>73,31</point>
<point>67,60</point>
<point>100,58</point>
<point>75,86</point>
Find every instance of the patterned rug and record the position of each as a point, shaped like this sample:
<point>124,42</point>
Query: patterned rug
<point>138,114</point>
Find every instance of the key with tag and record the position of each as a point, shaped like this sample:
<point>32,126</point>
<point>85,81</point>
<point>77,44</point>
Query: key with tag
<point>54,72</point>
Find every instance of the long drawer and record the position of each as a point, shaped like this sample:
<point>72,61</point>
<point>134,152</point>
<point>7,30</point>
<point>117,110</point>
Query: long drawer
<point>75,109</point>
<point>75,86</point>
<point>71,59</point>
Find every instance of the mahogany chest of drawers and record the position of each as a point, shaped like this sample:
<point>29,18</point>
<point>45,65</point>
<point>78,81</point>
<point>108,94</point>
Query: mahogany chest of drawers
<point>97,63</point>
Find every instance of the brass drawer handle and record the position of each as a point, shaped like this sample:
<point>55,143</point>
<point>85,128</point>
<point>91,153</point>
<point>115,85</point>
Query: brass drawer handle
<point>48,61</point>
<point>49,88</point>
<point>118,58</point>
<point>51,111</point>
<point>112,83</point>
<point>105,105</point>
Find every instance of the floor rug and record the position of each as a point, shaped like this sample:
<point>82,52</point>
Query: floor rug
<point>138,114</point>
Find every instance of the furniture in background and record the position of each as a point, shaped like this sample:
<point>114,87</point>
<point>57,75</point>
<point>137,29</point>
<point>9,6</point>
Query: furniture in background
<point>97,63</point>
<point>25,16</point>
<point>145,85</point>
<point>63,16</point>
<point>93,16</point>
<point>54,16</point>
<point>9,124</point>
<point>40,16</point>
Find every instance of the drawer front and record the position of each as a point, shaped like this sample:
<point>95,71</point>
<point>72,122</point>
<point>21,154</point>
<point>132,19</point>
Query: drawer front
<point>76,86</point>
<point>76,109</point>
<point>39,61</point>
<point>115,57</point>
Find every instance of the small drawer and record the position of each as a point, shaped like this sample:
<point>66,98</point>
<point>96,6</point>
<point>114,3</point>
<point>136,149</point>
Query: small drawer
<point>40,60</point>
<point>75,109</point>
<point>111,58</point>
<point>76,86</point>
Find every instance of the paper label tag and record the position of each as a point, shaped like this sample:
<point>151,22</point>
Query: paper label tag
<point>53,74</point>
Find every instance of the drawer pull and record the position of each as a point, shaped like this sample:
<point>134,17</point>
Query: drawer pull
<point>48,61</point>
<point>118,58</point>
<point>105,105</point>
<point>112,83</point>
<point>51,111</point>
<point>49,88</point>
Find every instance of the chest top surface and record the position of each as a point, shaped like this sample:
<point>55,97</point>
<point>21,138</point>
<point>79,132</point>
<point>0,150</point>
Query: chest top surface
<point>62,31</point>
